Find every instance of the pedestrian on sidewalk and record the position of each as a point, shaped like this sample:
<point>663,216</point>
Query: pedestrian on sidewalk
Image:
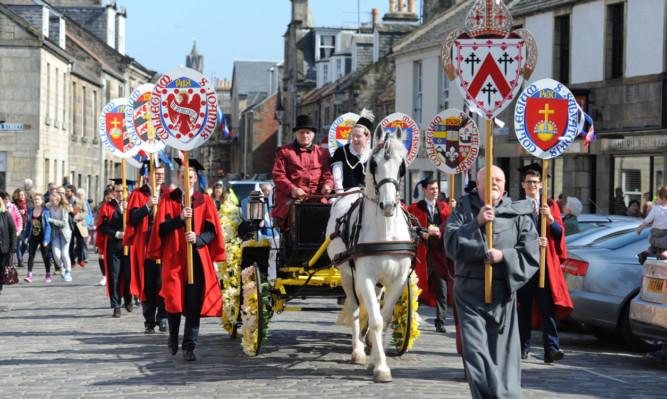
<point>117,264</point>
<point>168,242</point>
<point>7,239</point>
<point>19,201</point>
<point>61,234</point>
<point>37,235</point>
<point>658,237</point>
<point>146,273</point>
<point>16,217</point>
<point>77,247</point>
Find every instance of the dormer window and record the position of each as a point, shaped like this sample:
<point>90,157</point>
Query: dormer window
<point>327,46</point>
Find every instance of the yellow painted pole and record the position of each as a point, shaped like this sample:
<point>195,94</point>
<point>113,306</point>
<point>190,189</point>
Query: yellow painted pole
<point>543,218</point>
<point>488,199</point>
<point>188,221</point>
<point>124,171</point>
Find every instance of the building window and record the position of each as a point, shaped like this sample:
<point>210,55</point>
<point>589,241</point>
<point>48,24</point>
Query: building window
<point>417,92</point>
<point>107,94</point>
<point>94,110</point>
<point>57,97</point>
<point>73,105</point>
<point>48,91</point>
<point>64,112</point>
<point>121,92</point>
<point>614,46</point>
<point>444,91</point>
<point>83,112</point>
<point>562,49</point>
<point>326,115</point>
<point>327,46</point>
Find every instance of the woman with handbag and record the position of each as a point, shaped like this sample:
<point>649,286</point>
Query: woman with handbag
<point>7,240</point>
<point>61,233</point>
<point>37,235</point>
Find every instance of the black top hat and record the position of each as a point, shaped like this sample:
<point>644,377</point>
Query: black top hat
<point>304,122</point>
<point>192,163</point>
<point>120,181</point>
<point>535,167</point>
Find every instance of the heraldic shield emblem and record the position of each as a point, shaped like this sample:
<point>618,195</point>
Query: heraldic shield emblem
<point>112,129</point>
<point>183,108</point>
<point>410,132</point>
<point>488,61</point>
<point>546,118</point>
<point>339,131</point>
<point>138,120</point>
<point>452,141</point>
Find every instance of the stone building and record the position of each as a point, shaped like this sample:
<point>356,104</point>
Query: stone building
<point>71,89</point>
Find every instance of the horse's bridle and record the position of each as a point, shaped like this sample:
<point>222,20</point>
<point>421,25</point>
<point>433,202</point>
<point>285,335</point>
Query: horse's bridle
<point>387,156</point>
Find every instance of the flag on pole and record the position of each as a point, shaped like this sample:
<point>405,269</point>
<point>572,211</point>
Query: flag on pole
<point>222,121</point>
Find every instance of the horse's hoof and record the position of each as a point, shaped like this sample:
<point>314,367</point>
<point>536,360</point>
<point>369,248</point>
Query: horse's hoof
<point>358,358</point>
<point>384,376</point>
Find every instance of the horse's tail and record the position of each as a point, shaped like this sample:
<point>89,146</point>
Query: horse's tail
<point>345,316</point>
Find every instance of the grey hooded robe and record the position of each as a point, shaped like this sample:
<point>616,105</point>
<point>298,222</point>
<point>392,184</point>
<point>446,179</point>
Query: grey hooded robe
<point>489,332</point>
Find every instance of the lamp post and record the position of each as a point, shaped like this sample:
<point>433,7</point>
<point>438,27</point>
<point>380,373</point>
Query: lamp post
<point>255,210</point>
<point>280,115</point>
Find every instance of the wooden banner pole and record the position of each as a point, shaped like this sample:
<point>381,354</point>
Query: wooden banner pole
<point>543,218</point>
<point>451,187</point>
<point>188,221</point>
<point>124,171</point>
<point>488,199</point>
<point>156,190</point>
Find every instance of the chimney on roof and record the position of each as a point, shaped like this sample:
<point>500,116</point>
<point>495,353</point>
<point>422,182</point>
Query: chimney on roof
<point>401,5</point>
<point>411,6</point>
<point>375,13</point>
<point>392,5</point>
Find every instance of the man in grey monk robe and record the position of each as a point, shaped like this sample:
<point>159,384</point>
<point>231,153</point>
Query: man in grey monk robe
<point>489,331</point>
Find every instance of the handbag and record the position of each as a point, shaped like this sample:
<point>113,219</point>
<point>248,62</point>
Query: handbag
<point>10,275</point>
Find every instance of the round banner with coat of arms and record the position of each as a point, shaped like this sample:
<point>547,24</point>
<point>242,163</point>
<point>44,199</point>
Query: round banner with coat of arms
<point>452,141</point>
<point>546,118</point>
<point>410,135</point>
<point>138,120</point>
<point>183,108</point>
<point>112,129</point>
<point>339,132</point>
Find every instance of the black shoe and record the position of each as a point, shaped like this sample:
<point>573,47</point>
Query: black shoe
<point>129,306</point>
<point>189,355</point>
<point>524,354</point>
<point>440,328</point>
<point>642,257</point>
<point>116,313</point>
<point>553,355</point>
<point>137,301</point>
<point>172,345</point>
<point>149,330</point>
<point>163,326</point>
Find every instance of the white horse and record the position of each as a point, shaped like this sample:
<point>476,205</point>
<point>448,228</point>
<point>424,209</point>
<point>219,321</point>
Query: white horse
<point>382,220</point>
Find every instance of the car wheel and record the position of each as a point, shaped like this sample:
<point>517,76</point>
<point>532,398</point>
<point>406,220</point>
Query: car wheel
<point>634,341</point>
<point>603,335</point>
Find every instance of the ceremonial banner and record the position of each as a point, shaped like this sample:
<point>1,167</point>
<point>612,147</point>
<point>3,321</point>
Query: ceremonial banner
<point>138,120</point>
<point>112,130</point>
<point>452,141</point>
<point>410,133</point>
<point>546,118</point>
<point>339,132</point>
<point>184,108</point>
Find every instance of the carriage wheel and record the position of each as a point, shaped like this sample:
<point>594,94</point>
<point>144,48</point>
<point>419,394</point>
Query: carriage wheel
<point>403,318</point>
<point>252,311</point>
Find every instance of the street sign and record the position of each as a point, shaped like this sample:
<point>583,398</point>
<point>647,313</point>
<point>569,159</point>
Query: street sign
<point>11,126</point>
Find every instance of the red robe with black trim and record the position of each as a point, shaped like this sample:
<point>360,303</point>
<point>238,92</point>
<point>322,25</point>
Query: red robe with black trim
<point>106,210</point>
<point>171,248</point>
<point>555,254</point>
<point>439,264</point>
<point>136,237</point>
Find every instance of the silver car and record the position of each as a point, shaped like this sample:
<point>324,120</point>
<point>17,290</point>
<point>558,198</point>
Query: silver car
<point>602,277</point>
<point>648,310</point>
<point>603,230</point>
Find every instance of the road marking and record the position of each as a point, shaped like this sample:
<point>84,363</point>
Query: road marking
<point>602,375</point>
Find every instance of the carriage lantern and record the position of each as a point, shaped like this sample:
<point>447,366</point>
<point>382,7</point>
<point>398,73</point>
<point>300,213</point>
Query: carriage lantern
<point>255,207</point>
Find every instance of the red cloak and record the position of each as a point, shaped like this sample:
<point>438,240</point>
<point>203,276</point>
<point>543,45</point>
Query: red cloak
<point>171,249</point>
<point>136,237</point>
<point>439,263</point>
<point>555,254</point>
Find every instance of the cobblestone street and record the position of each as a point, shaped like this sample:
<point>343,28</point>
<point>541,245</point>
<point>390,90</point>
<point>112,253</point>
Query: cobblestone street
<point>60,341</point>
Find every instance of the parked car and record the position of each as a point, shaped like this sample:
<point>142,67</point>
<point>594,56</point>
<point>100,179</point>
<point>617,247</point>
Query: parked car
<point>648,310</point>
<point>602,277</point>
<point>602,230</point>
<point>242,188</point>
<point>588,221</point>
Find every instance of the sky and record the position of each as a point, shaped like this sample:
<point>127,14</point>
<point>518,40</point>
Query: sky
<point>159,33</point>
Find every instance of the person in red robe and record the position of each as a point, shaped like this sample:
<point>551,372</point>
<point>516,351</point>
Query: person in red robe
<point>168,242</point>
<point>433,268</point>
<point>301,168</point>
<point>110,242</point>
<point>544,307</point>
<point>146,273</point>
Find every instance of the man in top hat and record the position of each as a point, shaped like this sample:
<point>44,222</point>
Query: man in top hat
<point>544,306</point>
<point>301,168</point>
<point>146,273</point>
<point>168,242</point>
<point>433,268</point>
<point>117,265</point>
